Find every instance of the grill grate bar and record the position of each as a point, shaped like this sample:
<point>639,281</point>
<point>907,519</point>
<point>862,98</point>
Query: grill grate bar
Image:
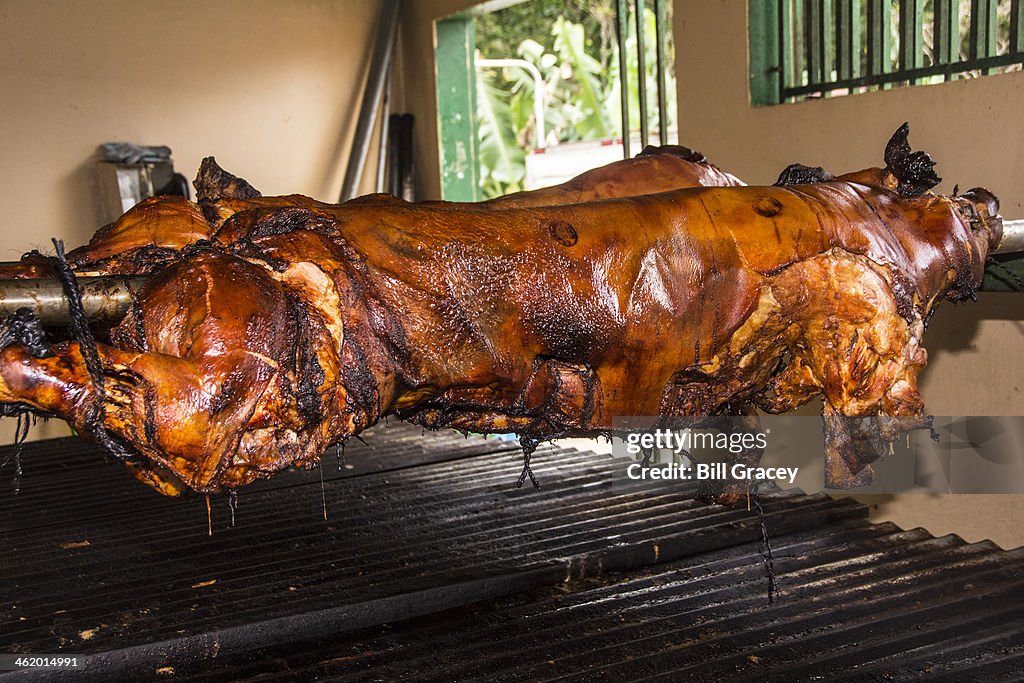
<point>300,480</point>
<point>611,506</point>
<point>1001,658</point>
<point>901,640</point>
<point>469,524</point>
<point>693,649</point>
<point>532,621</point>
<point>857,621</point>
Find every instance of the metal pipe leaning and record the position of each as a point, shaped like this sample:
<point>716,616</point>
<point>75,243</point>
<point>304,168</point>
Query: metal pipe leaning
<point>380,65</point>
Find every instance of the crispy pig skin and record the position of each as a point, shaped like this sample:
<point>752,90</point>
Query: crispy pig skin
<point>655,169</point>
<point>296,324</point>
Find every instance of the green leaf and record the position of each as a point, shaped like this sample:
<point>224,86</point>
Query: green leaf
<point>591,119</point>
<point>502,161</point>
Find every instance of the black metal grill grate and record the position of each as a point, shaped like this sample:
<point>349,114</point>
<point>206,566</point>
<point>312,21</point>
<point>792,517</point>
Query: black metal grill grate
<point>591,577</point>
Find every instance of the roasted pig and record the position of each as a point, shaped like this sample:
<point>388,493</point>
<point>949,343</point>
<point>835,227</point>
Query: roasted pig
<point>272,328</point>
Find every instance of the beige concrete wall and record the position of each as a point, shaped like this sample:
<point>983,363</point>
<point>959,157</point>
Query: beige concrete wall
<point>270,88</point>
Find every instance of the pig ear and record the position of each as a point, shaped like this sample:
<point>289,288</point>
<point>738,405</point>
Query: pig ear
<point>798,174</point>
<point>213,183</point>
<point>680,151</point>
<point>914,171</point>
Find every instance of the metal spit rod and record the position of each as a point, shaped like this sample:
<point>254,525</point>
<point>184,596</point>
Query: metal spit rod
<point>109,297</point>
<point>103,297</point>
<point>1013,238</point>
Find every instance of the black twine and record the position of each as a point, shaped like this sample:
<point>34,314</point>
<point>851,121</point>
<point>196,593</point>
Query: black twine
<point>766,550</point>
<point>95,411</point>
<point>1017,281</point>
<point>529,445</point>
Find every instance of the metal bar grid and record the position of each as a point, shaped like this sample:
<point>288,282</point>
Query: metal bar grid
<point>895,77</point>
<point>848,39</point>
<point>826,28</point>
<point>983,34</point>
<point>1016,35</point>
<point>641,71</point>
<point>787,64</point>
<point>660,29</point>
<point>879,37</point>
<point>911,36</point>
<point>946,32</point>
<point>821,43</point>
<point>815,45</point>
<point>621,33</point>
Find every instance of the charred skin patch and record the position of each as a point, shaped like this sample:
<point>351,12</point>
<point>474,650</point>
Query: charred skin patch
<point>269,222</point>
<point>227,392</point>
<point>362,395</point>
<point>213,183</point>
<point>563,233</point>
<point>149,421</point>
<point>768,207</point>
<point>309,374</point>
<point>684,153</point>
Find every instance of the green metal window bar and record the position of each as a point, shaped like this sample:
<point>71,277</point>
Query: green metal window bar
<point>622,30</point>
<point>804,49</point>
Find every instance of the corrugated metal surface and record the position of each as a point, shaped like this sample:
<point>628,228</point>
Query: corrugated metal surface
<point>865,602</point>
<point>592,577</point>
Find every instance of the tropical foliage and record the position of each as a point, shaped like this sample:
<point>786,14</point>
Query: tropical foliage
<point>573,47</point>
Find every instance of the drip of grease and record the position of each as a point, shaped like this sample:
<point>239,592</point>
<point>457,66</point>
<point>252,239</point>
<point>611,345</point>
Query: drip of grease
<point>339,452</point>
<point>20,434</point>
<point>209,519</point>
<point>323,495</point>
